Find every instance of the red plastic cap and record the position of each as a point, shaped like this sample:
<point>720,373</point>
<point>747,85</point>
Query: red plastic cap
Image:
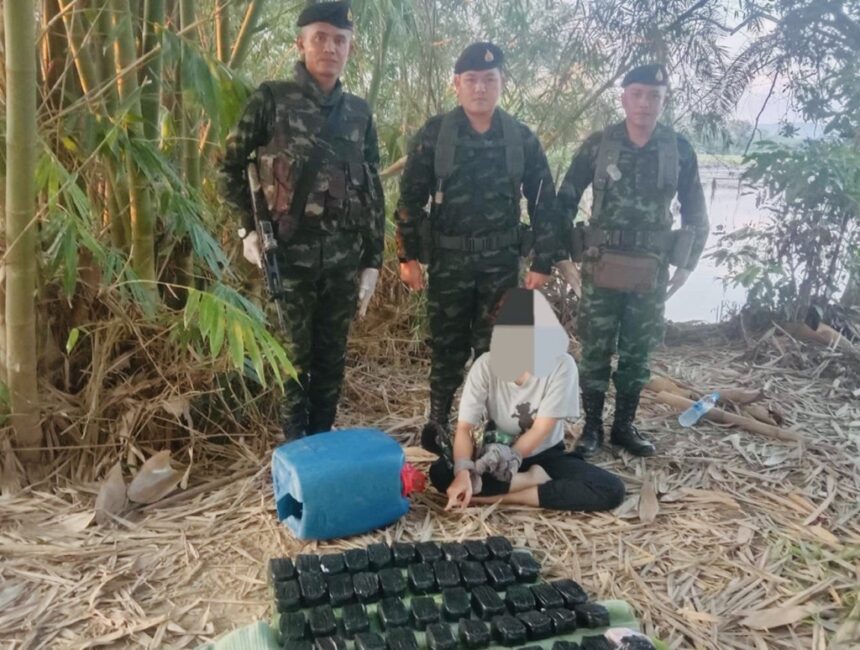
<point>412,480</point>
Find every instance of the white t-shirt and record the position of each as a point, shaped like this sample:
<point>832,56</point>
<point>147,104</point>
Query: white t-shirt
<point>514,408</point>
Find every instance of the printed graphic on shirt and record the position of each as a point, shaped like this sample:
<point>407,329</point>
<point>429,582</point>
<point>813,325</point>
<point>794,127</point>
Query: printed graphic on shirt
<point>525,415</point>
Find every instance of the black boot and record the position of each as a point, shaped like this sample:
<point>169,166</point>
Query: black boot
<point>295,427</point>
<point>592,431</point>
<point>436,434</point>
<point>624,432</point>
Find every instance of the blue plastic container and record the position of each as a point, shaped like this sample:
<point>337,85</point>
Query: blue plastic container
<point>339,483</point>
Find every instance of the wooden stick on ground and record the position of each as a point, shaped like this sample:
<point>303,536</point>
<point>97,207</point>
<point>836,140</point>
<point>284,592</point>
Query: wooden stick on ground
<point>723,417</point>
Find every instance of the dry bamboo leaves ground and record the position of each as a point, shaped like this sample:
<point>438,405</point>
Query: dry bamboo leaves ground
<point>753,543</point>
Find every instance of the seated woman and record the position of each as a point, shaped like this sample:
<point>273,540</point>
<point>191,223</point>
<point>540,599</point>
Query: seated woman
<point>525,387</point>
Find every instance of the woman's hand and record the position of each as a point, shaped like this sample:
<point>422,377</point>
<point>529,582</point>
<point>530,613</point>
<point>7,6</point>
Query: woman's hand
<point>460,490</point>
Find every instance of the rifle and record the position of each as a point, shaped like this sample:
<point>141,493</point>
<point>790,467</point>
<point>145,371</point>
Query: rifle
<point>268,242</point>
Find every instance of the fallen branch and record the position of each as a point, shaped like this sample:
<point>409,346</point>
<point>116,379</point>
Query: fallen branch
<point>723,417</point>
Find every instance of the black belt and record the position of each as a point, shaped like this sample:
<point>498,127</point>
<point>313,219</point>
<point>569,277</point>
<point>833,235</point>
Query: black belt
<point>477,244</point>
<point>661,240</point>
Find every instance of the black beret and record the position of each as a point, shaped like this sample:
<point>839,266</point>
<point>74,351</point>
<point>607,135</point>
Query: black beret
<point>479,56</point>
<point>653,74</point>
<point>338,14</point>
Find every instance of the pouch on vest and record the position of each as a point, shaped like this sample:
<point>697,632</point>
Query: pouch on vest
<point>425,238</point>
<point>577,242</point>
<point>625,272</point>
<point>278,175</point>
<point>336,194</point>
<point>682,246</point>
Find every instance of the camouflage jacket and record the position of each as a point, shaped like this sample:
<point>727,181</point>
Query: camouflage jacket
<point>632,201</point>
<point>479,194</point>
<point>283,118</point>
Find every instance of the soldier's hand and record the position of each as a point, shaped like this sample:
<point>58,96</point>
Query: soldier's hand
<point>412,275</point>
<point>535,280</point>
<point>251,249</point>
<point>678,279</point>
<point>366,287</point>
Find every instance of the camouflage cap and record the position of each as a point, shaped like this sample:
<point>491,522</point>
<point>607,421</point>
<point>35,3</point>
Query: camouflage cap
<point>653,74</point>
<point>479,56</point>
<point>338,14</point>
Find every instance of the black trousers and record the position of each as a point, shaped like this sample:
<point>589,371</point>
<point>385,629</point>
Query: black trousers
<point>574,485</point>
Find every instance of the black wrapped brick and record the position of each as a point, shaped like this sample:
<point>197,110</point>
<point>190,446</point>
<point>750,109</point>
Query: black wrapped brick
<point>565,645</point>
<point>392,613</point>
<point>447,574</point>
<point>369,641</point>
<point>402,638</point>
<point>340,590</point>
<point>456,604</point>
<point>332,563</point>
<point>313,588</point>
<point>298,645</point>
<point>572,593</point>
<point>440,637</point>
<point>591,615</point>
<point>421,578</point>
<point>366,586</point>
<point>596,642</point>
<point>428,552</point>
<point>392,581</point>
<point>524,566</point>
<point>473,634</point>
<point>356,560</point>
<point>499,574</point>
<point>423,611</point>
<point>293,626</point>
<point>455,551</point>
<point>486,602</point>
<point>547,596</point>
<point>289,595</point>
<point>473,574</point>
<point>530,647</point>
<point>500,547</point>
<point>478,550</point>
<point>308,563</point>
<point>282,568</point>
<point>355,620</point>
<point>519,598</point>
<point>508,630</point>
<point>404,553</point>
<point>538,625</point>
<point>333,642</point>
<point>563,621</point>
<point>379,556</point>
<point>322,621</point>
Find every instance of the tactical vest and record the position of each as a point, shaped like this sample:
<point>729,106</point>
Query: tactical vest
<point>608,154</point>
<point>446,149</point>
<point>343,189</point>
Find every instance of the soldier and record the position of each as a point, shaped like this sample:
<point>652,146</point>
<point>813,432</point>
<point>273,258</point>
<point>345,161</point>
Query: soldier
<point>476,162</point>
<point>316,144</point>
<point>635,169</point>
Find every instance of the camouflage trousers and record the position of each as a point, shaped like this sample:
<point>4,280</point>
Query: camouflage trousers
<point>615,321</point>
<point>320,295</point>
<point>461,304</point>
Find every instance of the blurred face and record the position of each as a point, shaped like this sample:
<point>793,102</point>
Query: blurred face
<point>643,104</point>
<point>479,90</point>
<point>324,49</point>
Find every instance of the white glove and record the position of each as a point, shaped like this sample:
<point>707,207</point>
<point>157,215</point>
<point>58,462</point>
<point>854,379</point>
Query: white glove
<point>251,249</point>
<point>366,287</point>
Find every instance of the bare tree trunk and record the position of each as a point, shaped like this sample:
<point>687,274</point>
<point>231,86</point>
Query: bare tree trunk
<point>20,260</point>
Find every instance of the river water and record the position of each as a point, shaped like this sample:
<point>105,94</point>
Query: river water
<point>703,297</point>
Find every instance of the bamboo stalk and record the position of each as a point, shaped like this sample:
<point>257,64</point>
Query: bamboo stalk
<point>724,417</point>
<point>20,259</point>
<point>246,31</point>
<point>222,30</point>
<point>150,96</point>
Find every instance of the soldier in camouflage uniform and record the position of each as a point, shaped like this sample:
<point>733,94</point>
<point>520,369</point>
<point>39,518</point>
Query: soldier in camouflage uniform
<point>635,168</point>
<point>329,253</point>
<point>476,163</point>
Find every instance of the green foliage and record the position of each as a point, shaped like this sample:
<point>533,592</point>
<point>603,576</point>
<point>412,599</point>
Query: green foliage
<point>222,320</point>
<point>801,256</point>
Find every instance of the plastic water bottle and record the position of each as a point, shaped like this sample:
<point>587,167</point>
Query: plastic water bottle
<point>342,483</point>
<point>693,414</point>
